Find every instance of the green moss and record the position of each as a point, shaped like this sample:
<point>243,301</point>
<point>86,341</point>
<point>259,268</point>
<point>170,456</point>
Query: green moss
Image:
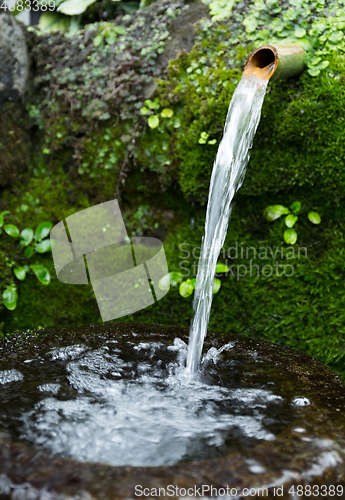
<point>307,145</point>
<point>306,148</point>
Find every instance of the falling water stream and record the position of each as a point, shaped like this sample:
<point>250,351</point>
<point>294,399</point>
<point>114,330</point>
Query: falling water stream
<point>227,176</point>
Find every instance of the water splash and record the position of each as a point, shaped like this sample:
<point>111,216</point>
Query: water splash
<point>133,404</point>
<point>227,176</point>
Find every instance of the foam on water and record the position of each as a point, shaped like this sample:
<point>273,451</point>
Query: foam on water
<point>227,176</point>
<point>8,376</point>
<point>137,407</point>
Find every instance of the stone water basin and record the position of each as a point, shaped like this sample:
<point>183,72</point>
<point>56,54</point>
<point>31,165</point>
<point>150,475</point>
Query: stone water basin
<point>106,412</point>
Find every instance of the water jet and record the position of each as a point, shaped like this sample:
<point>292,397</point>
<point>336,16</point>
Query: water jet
<point>242,120</point>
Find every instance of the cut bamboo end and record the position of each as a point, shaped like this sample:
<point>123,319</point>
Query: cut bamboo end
<point>275,61</point>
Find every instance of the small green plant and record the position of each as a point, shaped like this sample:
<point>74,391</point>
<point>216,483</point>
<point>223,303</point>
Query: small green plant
<point>274,212</point>
<point>108,33</point>
<point>150,109</point>
<point>221,9</point>
<point>203,139</point>
<point>141,222</point>
<point>30,242</point>
<point>187,287</point>
<point>162,123</point>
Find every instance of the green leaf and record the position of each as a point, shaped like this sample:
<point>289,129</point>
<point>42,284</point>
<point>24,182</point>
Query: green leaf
<point>220,9</point>
<point>300,32</point>
<point>175,278</point>
<point>120,30</point>
<point>335,37</point>
<point>212,142</point>
<point>42,273</point>
<point>216,285</point>
<point>203,137</point>
<point>43,246</point>
<point>296,207</point>
<point>221,268</point>
<point>152,105</point>
<point>164,282</point>
<point>12,230</point>
<point>314,217</point>
<point>74,7</point>
<point>313,71</point>
<point>2,215</point>
<point>250,25</point>
<point>273,212</point>
<point>170,279</point>
<point>177,123</point>
<point>29,251</point>
<point>186,288</point>
<point>26,236</point>
<point>153,121</point>
<point>314,61</point>
<point>20,273</point>
<point>53,21</point>
<point>43,230</point>
<point>98,40</point>
<point>110,37</point>
<point>10,297</point>
<point>144,111</point>
<point>167,113</point>
<point>290,220</point>
<point>323,65</point>
<point>290,236</point>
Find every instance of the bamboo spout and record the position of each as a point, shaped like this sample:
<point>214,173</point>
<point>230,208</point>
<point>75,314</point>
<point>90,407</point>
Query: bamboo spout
<point>274,61</point>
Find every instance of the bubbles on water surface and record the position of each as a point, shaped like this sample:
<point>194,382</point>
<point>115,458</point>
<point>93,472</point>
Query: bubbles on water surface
<point>300,401</point>
<point>7,376</point>
<point>135,404</point>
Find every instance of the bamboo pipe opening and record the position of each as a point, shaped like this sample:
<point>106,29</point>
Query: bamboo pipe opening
<point>275,60</point>
<point>262,62</point>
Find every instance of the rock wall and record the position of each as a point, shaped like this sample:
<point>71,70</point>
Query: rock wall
<point>14,59</point>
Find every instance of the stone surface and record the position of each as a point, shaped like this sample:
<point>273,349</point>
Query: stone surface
<point>310,449</point>
<point>14,59</point>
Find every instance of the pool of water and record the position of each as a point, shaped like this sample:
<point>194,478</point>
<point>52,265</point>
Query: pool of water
<point>133,403</point>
